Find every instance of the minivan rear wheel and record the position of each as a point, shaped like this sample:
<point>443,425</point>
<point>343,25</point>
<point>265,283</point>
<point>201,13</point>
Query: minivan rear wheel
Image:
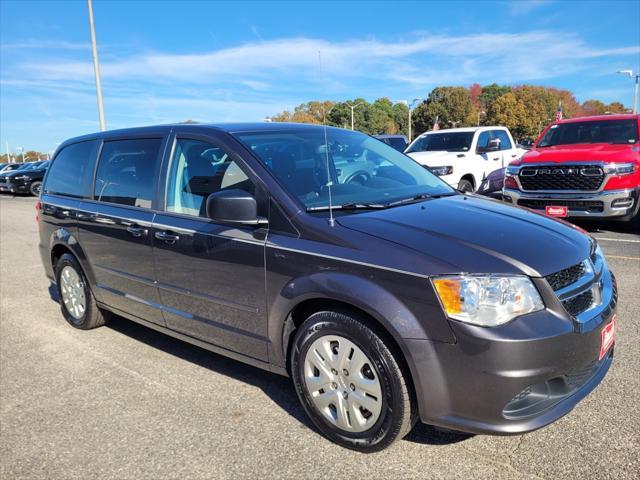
<point>77,302</point>
<point>350,383</point>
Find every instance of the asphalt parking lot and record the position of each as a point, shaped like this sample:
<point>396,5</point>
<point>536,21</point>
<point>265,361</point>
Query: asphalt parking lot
<point>126,402</point>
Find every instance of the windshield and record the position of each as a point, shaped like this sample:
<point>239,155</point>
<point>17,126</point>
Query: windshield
<point>604,131</point>
<point>444,141</point>
<point>362,170</point>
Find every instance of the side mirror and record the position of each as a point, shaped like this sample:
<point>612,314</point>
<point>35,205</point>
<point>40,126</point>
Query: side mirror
<point>234,207</point>
<point>492,146</point>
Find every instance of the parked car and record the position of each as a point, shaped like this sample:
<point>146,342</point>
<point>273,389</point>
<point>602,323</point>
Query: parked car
<point>399,142</point>
<point>463,157</point>
<point>387,299</point>
<point>10,167</point>
<point>27,180</point>
<point>5,176</point>
<point>493,184</point>
<point>585,167</point>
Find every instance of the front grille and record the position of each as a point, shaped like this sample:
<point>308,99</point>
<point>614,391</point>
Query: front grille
<point>565,177</point>
<point>594,206</point>
<point>578,304</point>
<point>565,277</point>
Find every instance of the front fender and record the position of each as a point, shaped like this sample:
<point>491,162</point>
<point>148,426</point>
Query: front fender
<point>383,306</point>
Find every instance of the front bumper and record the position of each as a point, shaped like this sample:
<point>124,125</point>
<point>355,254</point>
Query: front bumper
<point>11,187</point>
<point>605,204</point>
<point>511,379</point>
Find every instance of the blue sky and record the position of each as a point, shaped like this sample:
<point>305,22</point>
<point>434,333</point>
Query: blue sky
<point>214,61</point>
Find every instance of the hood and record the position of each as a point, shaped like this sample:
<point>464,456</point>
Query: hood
<point>435,158</point>
<point>584,152</point>
<point>477,235</point>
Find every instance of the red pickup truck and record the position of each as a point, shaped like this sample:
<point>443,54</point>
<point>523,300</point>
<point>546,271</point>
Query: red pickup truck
<point>585,167</point>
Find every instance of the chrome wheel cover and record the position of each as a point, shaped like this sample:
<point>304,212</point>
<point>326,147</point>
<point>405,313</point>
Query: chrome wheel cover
<point>72,290</point>
<point>342,383</point>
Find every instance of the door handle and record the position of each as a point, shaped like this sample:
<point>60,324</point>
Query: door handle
<point>104,220</point>
<point>167,237</point>
<point>514,155</point>
<point>496,159</point>
<point>137,231</point>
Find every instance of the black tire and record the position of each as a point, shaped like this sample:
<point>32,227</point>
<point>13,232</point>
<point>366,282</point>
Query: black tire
<point>397,415</point>
<point>35,187</point>
<point>465,186</point>
<point>93,316</point>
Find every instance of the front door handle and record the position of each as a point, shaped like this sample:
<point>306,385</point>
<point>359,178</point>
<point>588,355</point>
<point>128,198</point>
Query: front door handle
<point>137,231</point>
<point>496,159</point>
<point>167,237</point>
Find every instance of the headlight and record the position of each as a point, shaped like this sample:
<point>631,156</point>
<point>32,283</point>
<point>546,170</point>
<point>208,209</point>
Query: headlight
<point>21,177</point>
<point>619,168</point>
<point>442,171</point>
<point>487,300</point>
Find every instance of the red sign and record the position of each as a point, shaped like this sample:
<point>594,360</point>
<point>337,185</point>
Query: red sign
<point>556,211</point>
<point>608,335</point>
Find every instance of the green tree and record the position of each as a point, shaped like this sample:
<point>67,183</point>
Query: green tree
<point>593,107</point>
<point>401,118</point>
<point>451,105</point>
<point>379,117</point>
<point>508,111</point>
<point>616,107</point>
<point>490,93</point>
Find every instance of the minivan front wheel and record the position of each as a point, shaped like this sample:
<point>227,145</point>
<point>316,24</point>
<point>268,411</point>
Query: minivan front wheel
<point>77,303</point>
<point>350,383</point>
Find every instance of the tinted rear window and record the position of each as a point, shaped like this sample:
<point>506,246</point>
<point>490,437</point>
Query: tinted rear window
<point>71,170</point>
<point>126,172</point>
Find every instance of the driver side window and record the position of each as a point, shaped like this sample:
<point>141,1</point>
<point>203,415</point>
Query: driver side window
<point>483,139</point>
<point>199,169</point>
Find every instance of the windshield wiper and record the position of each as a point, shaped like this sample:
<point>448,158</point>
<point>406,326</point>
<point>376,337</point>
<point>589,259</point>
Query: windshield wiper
<point>348,206</point>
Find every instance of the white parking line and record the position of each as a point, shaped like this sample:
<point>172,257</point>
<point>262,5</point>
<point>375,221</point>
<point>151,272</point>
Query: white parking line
<point>617,240</point>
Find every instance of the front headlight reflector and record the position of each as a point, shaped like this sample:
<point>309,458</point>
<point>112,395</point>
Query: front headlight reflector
<point>487,300</point>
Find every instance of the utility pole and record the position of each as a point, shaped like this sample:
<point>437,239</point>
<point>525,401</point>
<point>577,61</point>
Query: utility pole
<point>6,142</point>
<point>96,68</point>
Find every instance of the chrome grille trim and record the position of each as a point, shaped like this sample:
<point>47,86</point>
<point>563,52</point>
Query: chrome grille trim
<point>594,281</point>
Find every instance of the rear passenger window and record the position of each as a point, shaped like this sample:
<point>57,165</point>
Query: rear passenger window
<point>126,172</point>
<point>199,169</point>
<point>71,170</point>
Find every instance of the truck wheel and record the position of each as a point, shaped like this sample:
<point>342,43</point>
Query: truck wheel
<point>35,188</point>
<point>77,303</point>
<point>350,384</point>
<point>465,186</point>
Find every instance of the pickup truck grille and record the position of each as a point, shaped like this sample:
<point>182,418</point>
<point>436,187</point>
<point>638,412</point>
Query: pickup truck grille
<point>562,177</point>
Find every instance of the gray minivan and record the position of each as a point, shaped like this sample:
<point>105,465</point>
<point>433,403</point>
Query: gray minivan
<point>387,296</point>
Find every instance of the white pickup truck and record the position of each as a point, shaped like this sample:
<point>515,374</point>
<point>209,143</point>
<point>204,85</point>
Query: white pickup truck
<point>463,157</point>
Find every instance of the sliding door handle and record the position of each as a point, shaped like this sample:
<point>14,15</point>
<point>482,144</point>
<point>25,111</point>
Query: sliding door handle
<point>167,237</point>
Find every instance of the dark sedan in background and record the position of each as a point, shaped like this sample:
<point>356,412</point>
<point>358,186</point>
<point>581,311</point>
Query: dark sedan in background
<point>26,180</point>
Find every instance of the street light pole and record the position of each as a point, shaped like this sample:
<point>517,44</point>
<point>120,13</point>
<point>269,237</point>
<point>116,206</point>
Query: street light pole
<point>96,68</point>
<point>635,76</point>
<point>411,108</point>
<point>353,107</point>
<point>480,113</point>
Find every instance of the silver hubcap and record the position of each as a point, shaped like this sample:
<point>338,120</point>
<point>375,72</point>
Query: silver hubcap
<point>72,291</point>
<point>342,383</point>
